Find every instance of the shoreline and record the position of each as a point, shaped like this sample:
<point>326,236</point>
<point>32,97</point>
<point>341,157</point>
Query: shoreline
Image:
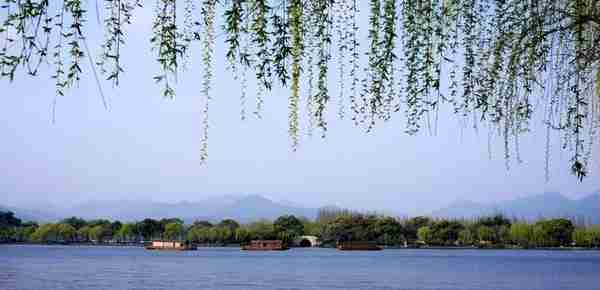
<point>206,246</point>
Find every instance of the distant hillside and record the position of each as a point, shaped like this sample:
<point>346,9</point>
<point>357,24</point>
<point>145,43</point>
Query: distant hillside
<point>30,214</point>
<point>532,207</point>
<point>244,208</point>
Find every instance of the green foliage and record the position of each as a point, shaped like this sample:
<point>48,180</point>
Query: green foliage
<point>66,232</point>
<point>582,238</point>
<point>332,225</point>
<point>127,232</point>
<point>486,234</point>
<point>173,231</point>
<point>262,230</point>
<point>165,42</point>
<point>413,225</point>
<point>8,224</point>
<point>150,229</point>
<point>119,14</point>
<point>100,233</point>
<point>75,222</point>
<point>466,237</point>
<point>208,44</point>
<point>202,224</point>
<point>446,232</point>
<point>232,225</point>
<point>388,231</point>
<point>260,38</point>
<point>553,233</point>
<point>281,50</point>
<point>8,219</point>
<point>521,234</point>
<point>425,235</point>
<point>289,225</point>
<point>355,227</point>
<point>295,11</point>
<point>83,234</point>
<point>45,233</point>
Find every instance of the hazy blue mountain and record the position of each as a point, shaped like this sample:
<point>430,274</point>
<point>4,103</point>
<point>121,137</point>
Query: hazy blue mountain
<point>244,208</point>
<point>254,207</point>
<point>26,214</point>
<point>531,207</point>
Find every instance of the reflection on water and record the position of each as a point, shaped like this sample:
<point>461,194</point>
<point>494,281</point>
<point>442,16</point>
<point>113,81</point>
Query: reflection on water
<point>64,267</point>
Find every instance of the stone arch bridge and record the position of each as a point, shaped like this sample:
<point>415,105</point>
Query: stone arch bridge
<point>307,241</point>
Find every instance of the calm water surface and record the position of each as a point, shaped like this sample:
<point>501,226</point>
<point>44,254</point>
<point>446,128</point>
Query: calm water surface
<point>64,267</point>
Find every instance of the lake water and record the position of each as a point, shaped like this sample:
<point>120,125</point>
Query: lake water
<point>73,267</point>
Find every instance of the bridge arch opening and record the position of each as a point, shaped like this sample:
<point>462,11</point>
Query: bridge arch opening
<point>305,243</point>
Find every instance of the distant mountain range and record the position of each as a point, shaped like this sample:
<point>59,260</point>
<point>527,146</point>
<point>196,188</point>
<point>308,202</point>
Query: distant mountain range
<point>247,208</point>
<point>531,207</point>
<point>244,208</point>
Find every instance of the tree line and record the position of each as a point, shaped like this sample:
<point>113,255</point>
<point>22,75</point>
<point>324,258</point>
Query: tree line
<point>331,226</point>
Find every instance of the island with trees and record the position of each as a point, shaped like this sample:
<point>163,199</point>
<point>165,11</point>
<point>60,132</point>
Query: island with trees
<point>331,226</point>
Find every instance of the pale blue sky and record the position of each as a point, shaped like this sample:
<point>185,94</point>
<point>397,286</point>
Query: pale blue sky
<point>148,147</point>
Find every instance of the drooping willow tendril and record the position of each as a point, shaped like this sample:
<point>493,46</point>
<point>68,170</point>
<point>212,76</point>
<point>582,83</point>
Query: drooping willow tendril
<point>208,44</point>
<point>119,14</point>
<point>322,12</point>
<point>165,42</point>
<point>295,11</point>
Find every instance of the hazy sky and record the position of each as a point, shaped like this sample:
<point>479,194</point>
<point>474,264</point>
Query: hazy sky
<point>147,147</point>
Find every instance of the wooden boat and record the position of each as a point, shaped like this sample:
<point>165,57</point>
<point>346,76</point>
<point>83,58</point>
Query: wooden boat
<point>358,246</point>
<point>266,245</point>
<point>171,246</point>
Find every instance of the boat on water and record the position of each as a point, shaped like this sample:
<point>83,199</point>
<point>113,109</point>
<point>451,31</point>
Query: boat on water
<point>358,246</point>
<point>266,245</point>
<point>171,246</point>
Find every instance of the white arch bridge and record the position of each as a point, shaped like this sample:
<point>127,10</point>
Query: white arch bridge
<point>307,241</point>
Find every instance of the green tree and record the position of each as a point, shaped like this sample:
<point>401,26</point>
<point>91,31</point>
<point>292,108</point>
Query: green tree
<point>486,234</point>
<point>242,235</point>
<point>412,225</point>
<point>388,231</point>
<point>262,230</point>
<point>425,234</point>
<point>66,232</point>
<point>46,233</point>
<point>206,224</point>
<point>8,225</point>
<point>25,232</point>
<point>100,233</point>
<point>445,232</point>
<point>173,231</point>
<point>555,232</point>
<point>83,234</point>
<point>8,219</point>
<point>75,222</point>
<point>290,225</point>
<point>149,229</point>
<point>126,233</point>
<point>232,225</point>
<point>466,237</point>
<point>312,228</point>
<point>582,237</point>
<point>521,234</point>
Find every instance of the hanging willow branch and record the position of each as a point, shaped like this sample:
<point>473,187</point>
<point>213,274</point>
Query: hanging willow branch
<point>322,12</point>
<point>493,61</point>
<point>208,43</point>
<point>164,41</point>
<point>295,19</point>
<point>119,14</point>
